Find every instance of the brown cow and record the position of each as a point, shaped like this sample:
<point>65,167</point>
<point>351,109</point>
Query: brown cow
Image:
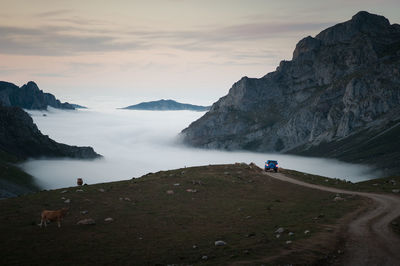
<point>57,215</point>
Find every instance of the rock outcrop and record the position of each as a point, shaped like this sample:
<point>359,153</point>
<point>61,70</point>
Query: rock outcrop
<point>167,105</point>
<point>29,96</point>
<point>338,97</point>
<point>20,138</point>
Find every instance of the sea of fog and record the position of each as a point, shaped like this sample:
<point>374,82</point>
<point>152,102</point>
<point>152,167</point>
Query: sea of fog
<point>134,143</point>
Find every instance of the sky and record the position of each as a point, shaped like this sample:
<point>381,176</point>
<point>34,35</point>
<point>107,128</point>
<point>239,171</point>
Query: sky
<point>128,51</point>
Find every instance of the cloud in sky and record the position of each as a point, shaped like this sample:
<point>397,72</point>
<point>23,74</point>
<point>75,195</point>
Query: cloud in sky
<point>68,40</point>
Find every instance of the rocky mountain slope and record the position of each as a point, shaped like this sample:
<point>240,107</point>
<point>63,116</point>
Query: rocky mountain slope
<point>166,105</point>
<point>338,97</point>
<point>29,96</point>
<point>20,137</point>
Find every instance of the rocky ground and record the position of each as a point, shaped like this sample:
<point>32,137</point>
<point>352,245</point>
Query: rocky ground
<point>223,214</point>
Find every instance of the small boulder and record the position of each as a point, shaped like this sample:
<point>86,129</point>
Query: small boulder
<point>79,190</point>
<point>280,230</point>
<point>290,234</point>
<point>204,257</point>
<point>306,232</point>
<point>108,220</point>
<point>67,201</point>
<point>170,192</point>
<point>88,221</point>
<point>338,199</point>
<point>101,190</point>
<point>396,190</point>
<point>288,242</point>
<point>127,199</point>
<point>84,212</point>
<point>220,243</point>
<point>64,191</point>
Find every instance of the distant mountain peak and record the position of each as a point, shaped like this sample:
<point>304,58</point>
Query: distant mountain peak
<point>166,105</point>
<point>29,96</point>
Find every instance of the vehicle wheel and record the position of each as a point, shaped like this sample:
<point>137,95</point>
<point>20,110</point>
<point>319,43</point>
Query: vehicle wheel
<point>276,170</point>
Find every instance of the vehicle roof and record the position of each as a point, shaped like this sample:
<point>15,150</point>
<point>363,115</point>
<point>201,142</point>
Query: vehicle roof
<point>272,161</point>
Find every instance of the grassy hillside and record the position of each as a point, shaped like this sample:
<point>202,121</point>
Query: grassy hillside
<point>14,181</point>
<point>175,217</point>
<point>380,148</point>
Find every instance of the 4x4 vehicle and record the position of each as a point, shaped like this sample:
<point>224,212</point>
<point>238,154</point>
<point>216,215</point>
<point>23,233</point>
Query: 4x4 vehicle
<point>271,165</point>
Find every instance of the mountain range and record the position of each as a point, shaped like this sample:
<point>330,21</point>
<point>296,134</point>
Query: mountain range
<point>339,97</point>
<point>29,96</point>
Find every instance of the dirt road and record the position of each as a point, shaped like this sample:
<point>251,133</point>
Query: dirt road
<point>369,239</point>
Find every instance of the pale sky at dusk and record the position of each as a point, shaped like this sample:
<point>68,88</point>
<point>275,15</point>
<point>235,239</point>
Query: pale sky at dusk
<point>191,51</point>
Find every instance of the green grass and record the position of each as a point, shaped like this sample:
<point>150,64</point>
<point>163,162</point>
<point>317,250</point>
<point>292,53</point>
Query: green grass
<point>234,203</point>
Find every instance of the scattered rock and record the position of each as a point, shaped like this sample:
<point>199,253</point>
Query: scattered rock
<point>191,190</point>
<point>170,192</point>
<point>290,234</point>
<point>194,246</point>
<point>88,221</point>
<point>101,190</point>
<point>246,251</point>
<point>67,201</point>
<point>248,217</point>
<point>306,232</point>
<point>326,180</point>
<point>64,191</point>
<point>127,199</point>
<point>84,212</point>
<point>204,258</point>
<point>338,199</point>
<point>177,184</point>
<point>220,243</point>
<point>396,190</point>
<point>121,199</point>
<point>288,242</point>
<point>63,198</point>
<point>109,219</point>
<point>375,184</point>
<point>226,173</point>
<point>278,236</point>
<point>79,190</point>
<point>250,235</point>
<point>280,230</point>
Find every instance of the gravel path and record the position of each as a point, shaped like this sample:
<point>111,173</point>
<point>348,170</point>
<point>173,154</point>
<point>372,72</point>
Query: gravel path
<point>369,239</point>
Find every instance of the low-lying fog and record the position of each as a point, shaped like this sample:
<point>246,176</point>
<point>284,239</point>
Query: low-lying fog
<point>134,143</point>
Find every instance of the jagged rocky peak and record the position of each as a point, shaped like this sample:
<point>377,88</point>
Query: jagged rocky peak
<point>306,45</point>
<point>361,23</point>
<point>31,85</point>
<point>29,96</point>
